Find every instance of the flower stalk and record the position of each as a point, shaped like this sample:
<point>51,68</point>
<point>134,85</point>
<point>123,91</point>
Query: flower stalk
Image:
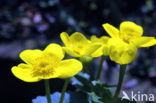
<point>87,66</point>
<point>47,88</point>
<point>120,81</point>
<point>100,68</point>
<point>86,61</point>
<point>64,90</point>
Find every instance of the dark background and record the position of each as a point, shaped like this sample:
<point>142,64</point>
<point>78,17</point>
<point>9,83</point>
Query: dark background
<point>30,24</point>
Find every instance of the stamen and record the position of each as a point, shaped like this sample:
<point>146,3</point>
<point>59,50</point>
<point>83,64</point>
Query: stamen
<point>44,66</point>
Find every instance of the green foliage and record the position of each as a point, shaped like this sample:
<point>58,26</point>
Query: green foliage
<point>95,90</point>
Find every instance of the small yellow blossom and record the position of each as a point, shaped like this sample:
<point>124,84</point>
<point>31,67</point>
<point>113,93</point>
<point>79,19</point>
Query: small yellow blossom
<point>104,49</point>
<point>121,52</point>
<point>77,45</point>
<point>125,41</point>
<point>45,64</point>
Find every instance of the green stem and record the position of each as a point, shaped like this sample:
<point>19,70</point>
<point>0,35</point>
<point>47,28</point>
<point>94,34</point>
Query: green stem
<point>90,71</point>
<point>86,61</point>
<point>87,66</point>
<point>100,68</point>
<point>92,101</point>
<point>64,90</point>
<point>121,77</point>
<point>47,88</point>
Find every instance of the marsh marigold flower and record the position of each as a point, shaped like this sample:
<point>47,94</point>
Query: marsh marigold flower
<point>45,64</point>
<point>77,45</point>
<point>125,41</point>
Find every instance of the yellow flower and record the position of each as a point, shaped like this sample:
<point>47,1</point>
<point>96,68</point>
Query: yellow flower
<point>125,41</point>
<point>104,49</point>
<point>131,33</point>
<point>77,45</point>
<point>121,52</point>
<point>45,64</point>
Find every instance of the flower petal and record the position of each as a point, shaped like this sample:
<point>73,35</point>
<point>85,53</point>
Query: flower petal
<point>91,49</point>
<point>65,38</point>
<point>24,72</point>
<point>102,39</point>
<point>70,52</point>
<point>130,30</point>
<point>111,30</point>
<point>94,38</point>
<point>144,41</point>
<point>105,39</point>
<point>150,43</point>
<point>68,68</point>
<point>98,52</point>
<point>29,56</point>
<point>78,38</point>
<point>54,50</point>
<point>104,49</point>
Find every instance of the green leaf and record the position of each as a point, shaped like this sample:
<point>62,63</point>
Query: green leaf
<point>103,92</point>
<point>82,82</point>
<point>97,91</point>
<point>104,85</point>
<point>86,84</point>
<point>94,97</point>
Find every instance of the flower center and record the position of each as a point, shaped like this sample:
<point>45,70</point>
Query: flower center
<point>44,66</point>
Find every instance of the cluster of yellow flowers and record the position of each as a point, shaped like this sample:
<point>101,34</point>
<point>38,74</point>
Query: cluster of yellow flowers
<point>121,47</point>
